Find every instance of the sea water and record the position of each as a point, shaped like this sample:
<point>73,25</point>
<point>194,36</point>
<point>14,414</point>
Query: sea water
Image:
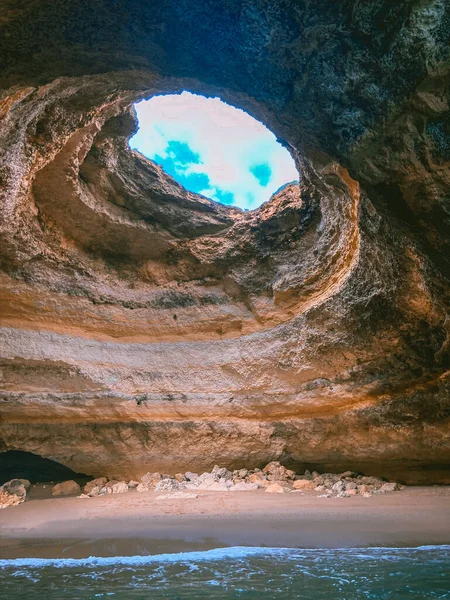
<point>240,572</point>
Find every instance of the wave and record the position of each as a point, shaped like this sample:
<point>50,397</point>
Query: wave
<point>216,554</point>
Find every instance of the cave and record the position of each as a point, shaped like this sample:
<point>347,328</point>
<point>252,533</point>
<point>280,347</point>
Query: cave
<point>146,327</point>
<point>16,464</point>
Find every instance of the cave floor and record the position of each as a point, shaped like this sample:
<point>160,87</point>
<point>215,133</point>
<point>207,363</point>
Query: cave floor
<point>140,524</point>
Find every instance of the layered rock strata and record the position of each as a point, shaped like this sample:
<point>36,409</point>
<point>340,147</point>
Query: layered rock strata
<point>143,326</point>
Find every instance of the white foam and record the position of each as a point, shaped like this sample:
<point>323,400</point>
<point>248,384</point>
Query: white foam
<point>216,554</point>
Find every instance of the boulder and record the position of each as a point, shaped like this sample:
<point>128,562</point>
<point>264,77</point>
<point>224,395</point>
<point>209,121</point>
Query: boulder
<point>132,484</point>
<point>191,476</point>
<point>275,488</point>
<point>222,473</point>
<point>66,488</point>
<point>18,487</point>
<point>389,487</point>
<point>338,487</point>
<point>14,484</point>
<point>151,479</point>
<point>120,488</point>
<point>217,486</point>
<point>303,484</point>
<point>276,472</point>
<point>258,478</point>
<point>90,485</point>
<point>180,477</point>
<point>349,474</point>
<point>95,491</point>
<point>167,485</point>
<point>13,492</point>
<point>244,487</point>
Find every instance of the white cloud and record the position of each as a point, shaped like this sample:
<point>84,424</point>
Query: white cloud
<point>227,139</point>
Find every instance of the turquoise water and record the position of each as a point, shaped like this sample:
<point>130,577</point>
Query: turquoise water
<point>247,573</point>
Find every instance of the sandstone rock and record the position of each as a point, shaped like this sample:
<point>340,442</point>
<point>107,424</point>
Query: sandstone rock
<point>303,484</point>
<point>167,485</point>
<point>191,476</point>
<point>244,487</point>
<point>120,488</point>
<point>95,491</point>
<point>370,480</point>
<point>13,492</point>
<point>258,478</point>
<point>275,488</point>
<point>222,473</point>
<point>7,499</point>
<point>17,486</point>
<point>350,485</point>
<point>276,472</point>
<point>66,488</point>
<point>338,487</point>
<point>132,484</point>
<point>389,487</point>
<point>90,485</point>
<point>180,477</point>
<point>216,486</point>
<point>349,474</point>
<point>143,487</point>
<point>151,479</point>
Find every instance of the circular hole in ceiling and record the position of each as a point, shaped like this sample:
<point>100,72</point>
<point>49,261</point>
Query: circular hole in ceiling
<point>213,149</point>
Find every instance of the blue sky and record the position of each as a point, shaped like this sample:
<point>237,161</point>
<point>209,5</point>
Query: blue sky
<point>213,148</point>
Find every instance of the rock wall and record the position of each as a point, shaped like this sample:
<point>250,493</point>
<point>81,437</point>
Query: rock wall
<point>144,327</point>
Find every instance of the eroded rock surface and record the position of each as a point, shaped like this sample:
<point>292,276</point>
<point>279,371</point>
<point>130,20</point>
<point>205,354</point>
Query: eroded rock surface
<point>145,325</point>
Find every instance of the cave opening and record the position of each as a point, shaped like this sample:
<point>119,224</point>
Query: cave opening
<point>213,148</point>
<point>17,464</point>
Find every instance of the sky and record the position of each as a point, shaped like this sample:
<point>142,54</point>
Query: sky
<point>213,148</point>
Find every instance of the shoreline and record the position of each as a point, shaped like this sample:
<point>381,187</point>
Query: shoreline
<point>140,524</point>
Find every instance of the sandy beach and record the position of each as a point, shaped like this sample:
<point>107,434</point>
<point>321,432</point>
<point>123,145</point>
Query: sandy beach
<point>140,523</point>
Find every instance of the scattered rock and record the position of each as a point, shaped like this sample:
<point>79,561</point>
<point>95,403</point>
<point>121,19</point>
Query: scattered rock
<point>276,472</point>
<point>244,487</point>
<point>303,484</point>
<point>389,487</point>
<point>95,491</point>
<point>275,488</point>
<point>258,478</point>
<point>66,488</point>
<point>99,482</point>
<point>17,486</point>
<point>222,473</point>
<point>151,479</point>
<point>13,492</point>
<point>180,477</point>
<point>120,488</point>
<point>132,484</point>
<point>167,485</point>
<point>349,474</point>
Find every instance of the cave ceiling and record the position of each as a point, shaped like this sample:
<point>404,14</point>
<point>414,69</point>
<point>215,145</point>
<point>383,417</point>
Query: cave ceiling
<point>146,327</point>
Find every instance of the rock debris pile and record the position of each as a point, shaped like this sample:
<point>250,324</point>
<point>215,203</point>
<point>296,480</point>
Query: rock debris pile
<point>274,478</point>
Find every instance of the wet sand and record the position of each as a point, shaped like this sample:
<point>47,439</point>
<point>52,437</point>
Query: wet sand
<point>139,523</point>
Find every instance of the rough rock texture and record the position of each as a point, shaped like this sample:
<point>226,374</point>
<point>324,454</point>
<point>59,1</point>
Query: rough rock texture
<point>146,328</point>
<point>66,488</point>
